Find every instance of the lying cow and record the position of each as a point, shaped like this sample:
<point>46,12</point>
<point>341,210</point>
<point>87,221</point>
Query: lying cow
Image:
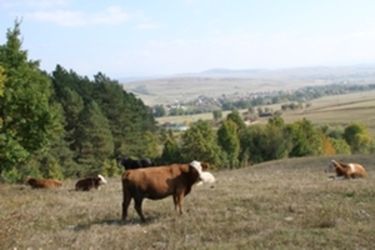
<point>159,182</point>
<point>89,183</point>
<point>346,170</point>
<point>43,183</point>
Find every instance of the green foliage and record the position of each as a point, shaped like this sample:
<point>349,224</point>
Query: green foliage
<point>262,143</point>
<point>110,168</point>
<point>199,143</point>
<point>50,167</point>
<point>29,118</point>
<point>2,80</point>
<point>305,139</point>
<point>159,111</point>
<point>217,114</point>
<point>125,120</point>
<point>171,151</point>
<point>11,175</point>
<point>151,145</point>
<point>237,119</point>
<point>358,138</point>
<point>228,140</point>
<point>94,138</point>
<point>340,145</point>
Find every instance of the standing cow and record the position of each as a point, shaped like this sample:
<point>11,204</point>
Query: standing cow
<point>159,182</point>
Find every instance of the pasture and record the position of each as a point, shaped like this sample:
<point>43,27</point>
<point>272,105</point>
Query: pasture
<point>285,204</point>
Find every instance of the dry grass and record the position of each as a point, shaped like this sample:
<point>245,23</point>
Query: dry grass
<point>288,204</point>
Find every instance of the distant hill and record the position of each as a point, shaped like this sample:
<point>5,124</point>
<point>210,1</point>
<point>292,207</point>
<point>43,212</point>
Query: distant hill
<point>217,82</point>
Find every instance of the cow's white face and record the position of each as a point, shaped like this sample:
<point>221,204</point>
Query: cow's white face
<point>102,179</point>
<point>197,165</point>
<point>204,176</point>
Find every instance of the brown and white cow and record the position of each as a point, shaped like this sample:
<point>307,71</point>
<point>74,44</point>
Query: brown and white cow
<point>89,183</point>
<point>346,170</point>
<point>159,182</point>
<point>43,183</point>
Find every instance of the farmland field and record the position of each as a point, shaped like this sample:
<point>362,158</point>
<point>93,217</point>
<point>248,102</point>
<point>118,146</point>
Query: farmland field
<point>334,110</point>
<point>286,204</point>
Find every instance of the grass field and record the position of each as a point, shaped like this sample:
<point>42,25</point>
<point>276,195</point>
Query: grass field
<point>334,110</point>
<point>286,204</point>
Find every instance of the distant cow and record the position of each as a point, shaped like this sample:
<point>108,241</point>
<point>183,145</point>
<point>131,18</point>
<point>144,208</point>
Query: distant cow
<point>89,183</point>
<point>159,182</point>
<point>346,170</point>
<point>43,183</point>
<point>129,163</point>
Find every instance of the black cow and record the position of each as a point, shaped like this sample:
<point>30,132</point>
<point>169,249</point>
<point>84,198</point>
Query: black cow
<point>130,163</point>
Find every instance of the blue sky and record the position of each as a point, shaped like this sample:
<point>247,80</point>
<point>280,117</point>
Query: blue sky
<point>159,37</point>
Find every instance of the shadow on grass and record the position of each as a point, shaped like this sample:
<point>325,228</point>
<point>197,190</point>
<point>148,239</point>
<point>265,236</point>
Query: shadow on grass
<point>116,222</point>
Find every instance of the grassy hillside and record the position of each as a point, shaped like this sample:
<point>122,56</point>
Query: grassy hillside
<point>287,204</point>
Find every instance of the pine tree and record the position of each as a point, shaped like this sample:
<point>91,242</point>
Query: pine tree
<point>29,120</point>
<point>94,138</point>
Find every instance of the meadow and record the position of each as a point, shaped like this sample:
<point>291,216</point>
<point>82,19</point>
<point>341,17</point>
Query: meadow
<point>284,204</point>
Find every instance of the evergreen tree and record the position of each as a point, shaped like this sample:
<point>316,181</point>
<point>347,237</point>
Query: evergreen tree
<point>94,138</point>
<point>129,118</point>
<point>29,118</point>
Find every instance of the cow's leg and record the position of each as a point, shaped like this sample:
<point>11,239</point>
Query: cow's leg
<point>125,203</point>
<point>138,207</point>
<point>175,201</point>
<point>180,198</point>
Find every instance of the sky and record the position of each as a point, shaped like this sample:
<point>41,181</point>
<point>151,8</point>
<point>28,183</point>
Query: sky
<point>162,37</point>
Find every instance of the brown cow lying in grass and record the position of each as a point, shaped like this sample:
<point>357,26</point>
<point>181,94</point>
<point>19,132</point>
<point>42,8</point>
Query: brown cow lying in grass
<point>89,183</point>
<point>159,182</point>
<point>43,183</point>
<point>346,170</point>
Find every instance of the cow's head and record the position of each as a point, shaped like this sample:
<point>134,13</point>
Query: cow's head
<point>102,179</point>
<point>204,176</point>
<point>331,166</point>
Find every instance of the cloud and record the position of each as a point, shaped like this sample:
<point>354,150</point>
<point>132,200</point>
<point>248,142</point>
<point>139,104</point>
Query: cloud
<point>148,25</point>
<point>112,15</point>
<point>40,4</point>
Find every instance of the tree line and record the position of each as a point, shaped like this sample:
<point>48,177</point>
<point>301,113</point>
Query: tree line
<point>233,144</point>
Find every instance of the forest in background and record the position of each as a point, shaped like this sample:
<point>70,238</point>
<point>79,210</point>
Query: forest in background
<point>63,125</point>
